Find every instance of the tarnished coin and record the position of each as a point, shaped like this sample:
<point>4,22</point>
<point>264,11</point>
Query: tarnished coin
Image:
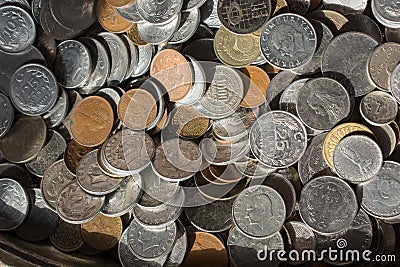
<point>323,103</point>
<point>236,50</point>
<point>102,233</point>
<point>386,12</point>
<point>278,139</point>
<point>33,98</point>
<point>109,18</point>
<point>300,7</point>
<point>350,66</point>
<point>74,14</point>
<point>92,179</point>
<point>188,25</point>
<point>386,138</point>
<point>346,6</point>
<point>292,49</point>
<point>378,108</point>
<point>251,167</point>
<point>130,12</point>
<point>214,188</point>
<point>26,138</point>
<point>91,121</point>
<point>365,24</point>
<point>243,17</point>
<point>159,12</point>
<point>18,28</point>
<point>392,34</point>
<point>21,3</point>
<point>67,237</point>
<point>252,205</point>
<point>201,49</point>
<point>147,243</point>
<point>7,116</point>
<point>73,154</point>
<point>301,238</point>
<point>328,205</point>
<point>255,87</point>
<point>41,221</point>
<point>357,158</point>
<point>14,204</point>
<point>168,63</point>
<point>76,206</point>
<point>57,114</point>
<point>382,61</point>
<point>378,194</point>
<point>73,64</point>
<point>47,45</point>
<point>188,123</point>
<point>276,87</point>
<point>244,250</point>
<point>17,173</point>
<point>336,22</point>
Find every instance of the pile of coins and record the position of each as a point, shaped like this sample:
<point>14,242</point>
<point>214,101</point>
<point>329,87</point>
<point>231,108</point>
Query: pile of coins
<point>201,132</point>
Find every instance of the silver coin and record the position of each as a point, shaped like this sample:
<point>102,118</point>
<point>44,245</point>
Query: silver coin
<point>395,83</point>
<point>48,155</point>
<point>148,243</point>
<point>145,56</point>
<point>213,217</point>
<point>378,194</point>
<point>244,250</point>
<point>301,238</point>
<point>251,207</point>
<point>328,205</point>
<point>67,237</point>
<point>119,57</point>
<point>324,36</point>
<point>158,34</point>
<point>73,64</point>
<point>199,84</point>
<point>18,28</point>
<point>350,66</point>
<point>14,204</point>
<point>365,24</point>
<point>224,94</point>
<point>323,103</point>
<point>7,116</point>
<point>21,3</point>
<point>357,158</point>
<point>189,23</point>
<point>209,14</point>
<point>36,8</point>
<point>92,179</point>
<point>34,89</point>
<point>278,139</point>
<point>76,206</point>
<point>288,100</point>
<point>41,221</point>
<point>55,178</point>
<point>178,252</point>
<point>386,12</point>
<point>113,97</point>
<point>346,6</point>
<point>378,108</point>
<point>130,12</point>
<point>57,114</point>
<point>157,12</point>
<point>282,53</point>
<point>300,7</point>
<point>133,51</point>
<point>17,173</point>
<point>277,85</point>
<point>124,198</point>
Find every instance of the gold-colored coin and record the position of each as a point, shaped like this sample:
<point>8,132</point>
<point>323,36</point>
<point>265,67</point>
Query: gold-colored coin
<point>236,50</point>
<point>102,233</point>
<point>133,35</point>
<point>336,135</point>
<point>188,123</point>
<point>109,19</point>
<point>279,7</point>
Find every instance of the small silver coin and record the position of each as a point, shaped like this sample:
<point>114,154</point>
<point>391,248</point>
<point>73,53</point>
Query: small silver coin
<point>14,204</point>
<point>41,221</point>
<point>130,12</point>
<point>346,6</point>
<point>365,24</point>
<point>149,243</point>
<point>57,114</point>
<point>157,34</point>
<point>17,173</point>
<point>145,56</point>
<point>328,205</point>
<point>189,23</point>
<point>33,98</point>
<point>178,252</point>
<point>156,12</point>
<point>251,207</point>
<point>18,28</point>
<point>301,238</point>
<point>282,53</point>
<point>73,64</point>
<point>7,116</point>
<point>67,237</point>
<point>379,108</point>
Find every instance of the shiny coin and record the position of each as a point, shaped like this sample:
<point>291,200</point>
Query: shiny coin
<point>387,13</point>
<point>209,14</point>
<point>301,238</point>
<point>395,83</point>
<point>346,7</point>
<point>73,154</point>
<point>7,116</point>
<point>379,108</point>
<point>188,25</point>
<point>188,123</point>
<point>285,54</point>
<point>17,173</point>
<point>178,252</point>
<point>158,34</point>
<point>255,87</point>
<point>21,3</point>
<point>133,55</point>
<point>289,98</point>
<point>277,85</point>
<point>159,12</point>
<point>57,114</point>
<point>74,14</point>
<point>67,237</point>
<point>145,55</point>
<point>109,18</point>
<point>328,205</point>
<point>130,12</point>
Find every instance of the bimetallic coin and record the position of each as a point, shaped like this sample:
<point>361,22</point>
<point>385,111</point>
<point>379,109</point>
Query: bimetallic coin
<point>328,205</point>
<point>67,237</point>
<point>7,116</point>
<point>346,6</point>
<point>102,233</point>
<point>378,108</point>
<point>33,98</point>
<point>301,238</point>
<point>292,49</point>
<point>18,28</point>
<point>252,205</point>
<point>188,25</point>
<point>14,204</point>
<point>110,19</point>
<point>156,12</point>
<point>75,14</point>
<point>386,12</point>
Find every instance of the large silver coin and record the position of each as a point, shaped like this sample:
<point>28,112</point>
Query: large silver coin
<point>158,34</point>
<point>251,208</point>
<point>346,6</point>
<point>130,12</point>
<point>379,108</point>
<point>159,12</point>
<point>18,29</point>
<point>379,197</point>
<point>278,139</point>
<point>14,204</point>
<point>328,205</point>
<point>34,89</point>
<point>288,41</point>
<point>7,116</point>
<point>386,12</point>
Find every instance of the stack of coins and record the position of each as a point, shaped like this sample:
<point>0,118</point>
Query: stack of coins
<point>201,132</point>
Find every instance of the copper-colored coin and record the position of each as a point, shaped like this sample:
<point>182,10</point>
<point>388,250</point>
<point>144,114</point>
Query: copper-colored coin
<point>73,155</point>
<point>188,123</point>
<point>173,71</point>
<point>102,233</point>
<point>205,250</point>
<point>109,19</point>
<point>137,109</point>
<point>133,34</point>
<point>92,121</point>
<point>255,87</point>
<point>119,3</point>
